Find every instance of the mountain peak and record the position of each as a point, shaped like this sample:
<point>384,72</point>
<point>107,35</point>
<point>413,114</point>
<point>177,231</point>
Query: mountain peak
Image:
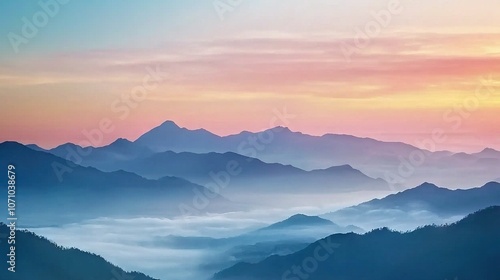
<point>345,167</point>
<point>169,123</point>
<point>35,147</point>
<point>489,151</point>
<point>121,141</point>
<point>299,217</point>
<point>492,184</point>
<point>300,220</point>
<point>281,129</point>
<point>424,189</point>
<point>12,144</point>
<point>428,186</point>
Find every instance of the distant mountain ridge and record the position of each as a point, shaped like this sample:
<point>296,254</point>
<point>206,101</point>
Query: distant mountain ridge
<point>374,158</point>
<point>488,153</point>
<point>426,199</point>
<point>283,237</point>
<point>254,175</point>
<point>300,220</point>
<point>101,157</point>
<point>442,200</point>
<point>170,137</point>
<point>50,184</point>
<point>298,227</point>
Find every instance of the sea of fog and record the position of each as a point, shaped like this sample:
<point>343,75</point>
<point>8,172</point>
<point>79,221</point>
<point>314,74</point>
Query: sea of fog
<point>132,243</point>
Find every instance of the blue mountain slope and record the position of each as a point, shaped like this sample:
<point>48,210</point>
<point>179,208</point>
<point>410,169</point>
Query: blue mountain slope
<point>284,237</point>
<point>253,174</point>
<point>38,258</point>
<point>46,184</point>
<point>465,250</point>
<point>372,157</point>
<point>425,203</point>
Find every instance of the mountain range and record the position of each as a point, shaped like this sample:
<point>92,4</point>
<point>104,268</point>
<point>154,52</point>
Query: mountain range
<point>418,206</point>
<point>400,164</point>
<point>253,174</point>
<point>470,248</point>
<point>298,227</point>
<point>47,184</point>
<point>281,238</point>
<point>375,158</point>
<point>100,193</point>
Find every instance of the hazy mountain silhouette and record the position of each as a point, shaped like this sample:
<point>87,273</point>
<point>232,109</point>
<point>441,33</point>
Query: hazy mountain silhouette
<point>464,250</point>
<point>85,192</point>
<point>427,199</point>
<point>391,161</point>
<point>300,222</point>
<point>298,227</point>
<point>254,174</point>
<point>39,258</point>
<point>105,158</point>
<point>281,238</point>
<point>488,153</point>
<point>170,137</point>
<point>375,158</point>
<point>36,147</point>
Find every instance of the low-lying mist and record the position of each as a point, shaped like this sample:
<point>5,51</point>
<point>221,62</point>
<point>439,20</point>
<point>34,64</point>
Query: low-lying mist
<point>135,243</point>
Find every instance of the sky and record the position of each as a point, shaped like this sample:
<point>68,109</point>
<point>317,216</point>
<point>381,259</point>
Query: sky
<point>387,69</point>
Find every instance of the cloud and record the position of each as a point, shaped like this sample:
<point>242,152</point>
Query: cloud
<point>314,64</point>
<point>131,243</point>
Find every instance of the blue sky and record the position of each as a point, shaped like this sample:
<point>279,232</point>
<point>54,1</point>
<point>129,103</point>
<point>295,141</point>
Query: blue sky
<point>98,24</point>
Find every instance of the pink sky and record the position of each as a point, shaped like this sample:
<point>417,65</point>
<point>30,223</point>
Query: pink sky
<point>412,78</point>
